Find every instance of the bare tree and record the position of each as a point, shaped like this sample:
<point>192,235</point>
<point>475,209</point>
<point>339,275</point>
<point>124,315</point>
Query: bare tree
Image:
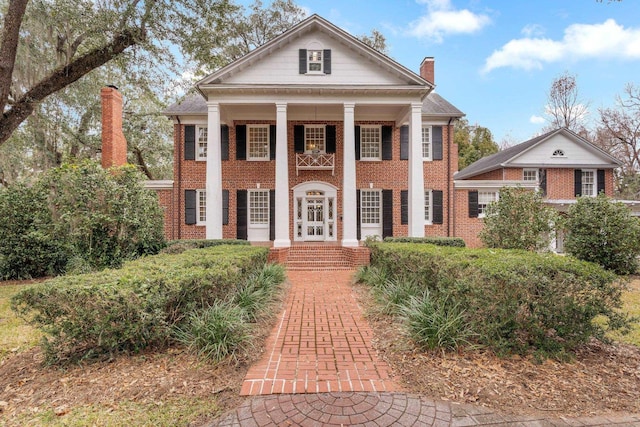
<point>564,106</point>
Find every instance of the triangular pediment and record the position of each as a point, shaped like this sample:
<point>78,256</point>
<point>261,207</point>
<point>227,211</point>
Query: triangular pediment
<point>352,62</point>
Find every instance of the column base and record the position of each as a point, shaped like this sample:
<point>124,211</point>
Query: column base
<point>282,243</point>
<point>350,242</point>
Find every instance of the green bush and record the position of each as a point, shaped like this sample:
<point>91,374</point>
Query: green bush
<point>439,241</point>
<point>179,246</point>
<point>602,231</point>
<point>518,220</point>
<point>515,301</point>
<point>93,315</point>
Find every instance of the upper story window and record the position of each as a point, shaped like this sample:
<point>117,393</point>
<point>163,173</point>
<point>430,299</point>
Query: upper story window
<point>314,139</point>
<point>426,142</point>
<point>201,142</point>
<point>558,153</point>
<point>589,183</point>
<point>314,61</point>
<point>530,174</point>
<point>484,198</point>
<point>370,141</point>
<point>258,142</point>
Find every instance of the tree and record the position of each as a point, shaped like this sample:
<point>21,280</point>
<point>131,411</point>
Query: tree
<point>518,220</point>
<point>602,231</point>
<point>564,106</point>
<point>376,41</point>
<point>474,142</point>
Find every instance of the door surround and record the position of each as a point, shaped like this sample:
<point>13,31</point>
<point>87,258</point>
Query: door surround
<point>315,191</point>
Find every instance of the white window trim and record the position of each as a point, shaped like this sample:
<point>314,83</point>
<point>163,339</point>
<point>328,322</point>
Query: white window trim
<point>371,224</point>
<point>200,157</point>
<point>428,200</point>
<point>258,159</point>
<point>321,62</point>
<point>372,159</point>
<point>200,193</point>
<point>529,170</point>
<point>323,151</point>
<point>495,199</point>
<point>595,182</point>
<point>430,157</point>
<point>249,208</point>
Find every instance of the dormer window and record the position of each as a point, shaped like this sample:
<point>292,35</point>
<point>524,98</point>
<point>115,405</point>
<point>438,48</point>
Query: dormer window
<point>558,153</point>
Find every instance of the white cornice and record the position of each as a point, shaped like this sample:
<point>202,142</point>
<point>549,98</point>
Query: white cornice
<point>493,184</point>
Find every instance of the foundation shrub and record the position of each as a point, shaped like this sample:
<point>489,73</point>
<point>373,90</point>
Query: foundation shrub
<point>439,241</point>
<point>514,301</point>
<point>135,307</point>
<point>179,246</point>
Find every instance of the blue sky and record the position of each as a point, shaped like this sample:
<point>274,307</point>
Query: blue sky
<point>495,60</point>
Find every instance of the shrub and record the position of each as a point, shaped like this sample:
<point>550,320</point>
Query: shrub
<point>518,220</point>
<point>515,301</point>
<point>439,241</point>
<point>602,231</point>
<point>93,315</point>
<point>179,246</point>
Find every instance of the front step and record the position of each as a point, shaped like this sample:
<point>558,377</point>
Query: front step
<point>310,257</point>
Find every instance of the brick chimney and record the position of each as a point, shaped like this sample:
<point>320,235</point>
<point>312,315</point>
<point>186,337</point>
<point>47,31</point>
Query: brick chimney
<point>114,145</point>
<point>427,69</point>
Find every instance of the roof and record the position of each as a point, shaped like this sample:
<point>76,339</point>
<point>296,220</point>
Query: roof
<point>189,105</point>
<point>501,158</point>
<point>435,105</point>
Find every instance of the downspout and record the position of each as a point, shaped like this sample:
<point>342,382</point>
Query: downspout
<point>449,195</point>
<point>179,173</point>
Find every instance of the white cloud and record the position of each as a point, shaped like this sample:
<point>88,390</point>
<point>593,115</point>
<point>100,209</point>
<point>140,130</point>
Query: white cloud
<point>442,20</point>
<point>536,120</point>
<point>581,41</point>
<point>531,30</point>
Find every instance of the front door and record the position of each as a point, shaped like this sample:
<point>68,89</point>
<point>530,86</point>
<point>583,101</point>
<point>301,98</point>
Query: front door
<point>315,219</point>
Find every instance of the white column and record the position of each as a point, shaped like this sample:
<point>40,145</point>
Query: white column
<point>214,173</point>
<point>282,179</point>
<point>349,204</point>
<point>416,173</point>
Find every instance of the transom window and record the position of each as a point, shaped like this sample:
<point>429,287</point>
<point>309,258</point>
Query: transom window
<point>530,174</point>
<point>588,182</point>
<point>558,153</point>
<point>258,142</point>
<point>202,143</point>
<point>259,207</point>
<point>426,142</point>
<point>484,198</point>
<point>427,207</point>
<point>201,201</point>
<point>314,139</point>
<point>370,142</point>
<point>314,61</point>
<point>370,201</point>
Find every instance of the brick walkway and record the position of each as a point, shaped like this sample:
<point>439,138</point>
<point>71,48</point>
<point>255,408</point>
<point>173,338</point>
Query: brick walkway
<point>321,342</point>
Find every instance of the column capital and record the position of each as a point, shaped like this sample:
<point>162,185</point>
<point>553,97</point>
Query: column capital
<point>349,105</point>
<point>281,107</point>
<point>416,106</point>
<point>213,106</point>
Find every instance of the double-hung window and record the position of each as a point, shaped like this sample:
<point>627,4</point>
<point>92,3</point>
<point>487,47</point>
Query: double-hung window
<point>426,142</point>
<point>370,141</point>
<point>314,139</point>
<point>258,142</point>
<point>370,204</point>
<point>201,143</point>
<point>428,210</point>
<point>530,174</point>
<point>588,182</point>
<point>314,61</point>
<point>201,206</point>
<point>259,207</point>
<point>484,198</point>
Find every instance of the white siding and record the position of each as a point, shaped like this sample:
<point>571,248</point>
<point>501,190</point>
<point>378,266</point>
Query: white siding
<point>574,154</point>
<point>281,66</point>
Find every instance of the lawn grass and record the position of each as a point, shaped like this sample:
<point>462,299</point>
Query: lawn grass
<point>631,305</point>
<point>15,334</point>
<point>180,411</point>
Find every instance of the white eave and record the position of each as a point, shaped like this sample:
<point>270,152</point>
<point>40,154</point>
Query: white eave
<point>493,184</point>
<point>408,90</point>
<point>159,184</point>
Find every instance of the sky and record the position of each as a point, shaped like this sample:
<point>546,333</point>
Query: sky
<point>496,60</point>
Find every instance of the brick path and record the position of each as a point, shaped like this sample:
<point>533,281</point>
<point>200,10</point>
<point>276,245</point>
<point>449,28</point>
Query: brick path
<point>321,342</point>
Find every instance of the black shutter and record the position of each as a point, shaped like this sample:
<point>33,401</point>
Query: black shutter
<point>330,138</point>
<point>190,206</point>
<point>357,137</point>
<point>302,55</point>
<point>404,207</point>
<point>224,142</point>
<point>473,204</point>
<point>404,142</point>
<point>436,142</point>
<point>543,181</point>
<point>327,61</point>
<point>358,217</point>
<point>387,213</point>
<point>387,143</point>
<point>577,182</point>
<point>272,142</point>
<point>436,206</point>
<point>298,138</point>
<point>272,215</point>
<point>225,207</point>
<point>600,181</point>
<point>241,142</point>
<point>189,142</point>
<point>241,214</point>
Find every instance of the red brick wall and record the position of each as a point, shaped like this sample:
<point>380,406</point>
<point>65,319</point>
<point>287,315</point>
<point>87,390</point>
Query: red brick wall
<point>492,176</point>
<point>114,145</point>
<point>165,197</point>
<point>465,227</point>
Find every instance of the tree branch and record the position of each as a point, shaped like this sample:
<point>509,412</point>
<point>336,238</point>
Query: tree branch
<point>62,77</point>
<point>141,163</point>
<point>9,47</point>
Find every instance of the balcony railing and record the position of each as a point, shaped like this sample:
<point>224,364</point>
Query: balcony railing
<point>315,161</point>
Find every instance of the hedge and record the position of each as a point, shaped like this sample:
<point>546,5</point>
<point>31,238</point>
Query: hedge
<point>438,241</point>
<point>135,307</point>
<point>179,246</point>
<point>514,301</point>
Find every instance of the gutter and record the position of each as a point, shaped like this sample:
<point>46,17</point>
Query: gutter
<point>179,173</point>
<point>449,178</point>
